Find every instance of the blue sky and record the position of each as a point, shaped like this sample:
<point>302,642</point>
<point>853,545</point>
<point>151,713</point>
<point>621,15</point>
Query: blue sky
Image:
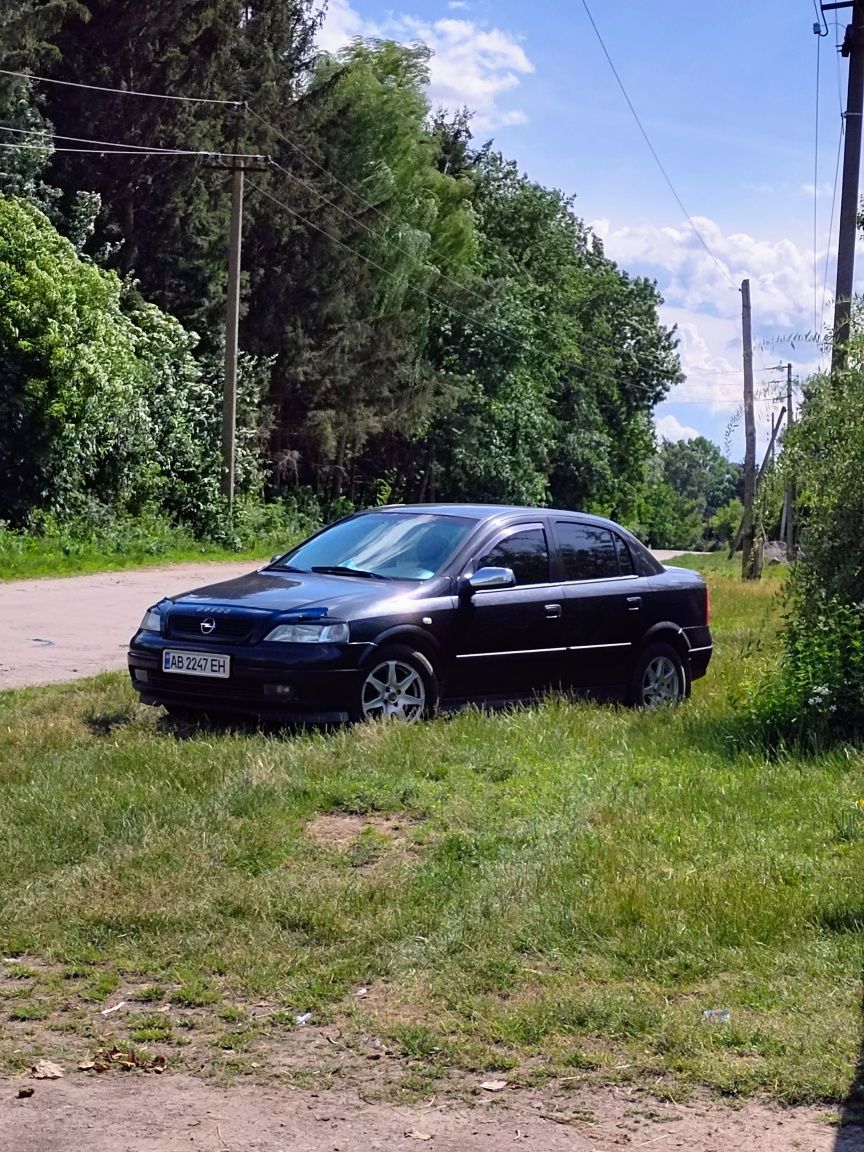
<point>727,94</point>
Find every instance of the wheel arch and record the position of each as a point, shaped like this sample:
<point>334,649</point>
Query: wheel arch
<point>666,632</point>
<point>410,637</point>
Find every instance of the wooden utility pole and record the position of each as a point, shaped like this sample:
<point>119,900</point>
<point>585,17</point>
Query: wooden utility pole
<point>232,322</point>
<point>789,499</point>
<point>853,47</point>
<point>748,562</point>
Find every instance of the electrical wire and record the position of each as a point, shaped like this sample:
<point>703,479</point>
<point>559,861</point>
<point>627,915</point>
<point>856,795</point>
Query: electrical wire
<point>822,23</point>
<point>380,267</point>
<point>321,168</point>
<point>840,138</point>
<point>120,145</point>
<point>652,149</point>
<point>123,91</point>
<point>116,151</point>
<point>392,243</point>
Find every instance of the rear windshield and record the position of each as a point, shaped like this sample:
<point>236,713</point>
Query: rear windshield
<point>391,545</point>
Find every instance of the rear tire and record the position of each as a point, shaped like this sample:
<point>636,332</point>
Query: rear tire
<point>659,678</point>
<point>399,684</point>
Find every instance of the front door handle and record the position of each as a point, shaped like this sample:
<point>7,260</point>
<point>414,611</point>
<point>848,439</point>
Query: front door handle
<point>553,611</point>
<point>634,603</point>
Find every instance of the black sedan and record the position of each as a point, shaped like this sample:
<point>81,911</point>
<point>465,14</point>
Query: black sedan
<point>391,611</point>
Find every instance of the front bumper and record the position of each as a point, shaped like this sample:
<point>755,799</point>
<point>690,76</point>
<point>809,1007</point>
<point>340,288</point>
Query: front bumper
<point>302,682</point>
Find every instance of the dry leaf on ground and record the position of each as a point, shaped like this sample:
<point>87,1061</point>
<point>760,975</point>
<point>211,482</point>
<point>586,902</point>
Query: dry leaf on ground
<point>45,1070</point>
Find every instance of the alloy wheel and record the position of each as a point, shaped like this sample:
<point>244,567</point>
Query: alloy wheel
<point>393,689</point>
<point>661,683</point>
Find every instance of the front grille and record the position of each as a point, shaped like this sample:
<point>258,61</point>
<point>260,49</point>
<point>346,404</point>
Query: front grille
<point>233,629</point>
<point>205,687</point>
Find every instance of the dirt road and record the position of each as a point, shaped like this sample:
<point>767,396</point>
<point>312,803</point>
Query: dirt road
<point>56,630</point>
<point>60,629</point>
<point>137,1113</point>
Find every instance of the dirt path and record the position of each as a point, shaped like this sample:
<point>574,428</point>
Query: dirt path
<point>60,629</point>
<point>56,630</point>
<point>135,1113</point>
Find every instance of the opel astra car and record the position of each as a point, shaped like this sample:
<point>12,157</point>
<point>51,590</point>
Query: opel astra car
<point>392,611</point>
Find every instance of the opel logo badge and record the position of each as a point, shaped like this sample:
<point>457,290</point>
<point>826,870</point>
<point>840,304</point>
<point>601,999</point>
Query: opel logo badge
<point>208,626</point>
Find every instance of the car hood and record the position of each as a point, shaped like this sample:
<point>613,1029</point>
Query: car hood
<point>274,591</point>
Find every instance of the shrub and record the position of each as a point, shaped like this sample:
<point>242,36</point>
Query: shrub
<point>819,690</point>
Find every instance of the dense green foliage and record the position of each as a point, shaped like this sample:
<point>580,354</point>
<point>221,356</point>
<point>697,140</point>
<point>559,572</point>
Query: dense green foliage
<point>691,497</point>
<point>820,689</point>
<point>423,320</point>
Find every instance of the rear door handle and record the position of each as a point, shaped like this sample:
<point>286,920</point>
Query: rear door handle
<point>634,603</point>
<point>553,611</point>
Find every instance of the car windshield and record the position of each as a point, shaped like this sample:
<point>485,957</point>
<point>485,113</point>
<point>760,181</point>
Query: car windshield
<point>389,545</point>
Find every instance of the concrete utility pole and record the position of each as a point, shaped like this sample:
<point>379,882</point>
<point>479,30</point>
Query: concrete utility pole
<point>853,47</point>
<point>232,322</point>
<point>748,564</point>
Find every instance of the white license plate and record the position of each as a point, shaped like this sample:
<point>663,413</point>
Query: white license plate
<point>196,663</point>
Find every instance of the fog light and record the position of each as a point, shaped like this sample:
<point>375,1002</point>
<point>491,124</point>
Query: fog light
<point>140,674</point>
<point>286,691</point>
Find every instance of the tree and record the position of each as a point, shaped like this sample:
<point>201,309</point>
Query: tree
<point>166,218</point>
<point>345,299</point>
<point>561,355</point>
<point>100,395</point>
<point>697,470</point>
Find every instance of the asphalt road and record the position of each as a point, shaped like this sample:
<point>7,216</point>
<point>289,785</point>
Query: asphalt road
<point>61,629</point>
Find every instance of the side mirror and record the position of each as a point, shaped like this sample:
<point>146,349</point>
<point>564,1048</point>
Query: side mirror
<point>491,578</point>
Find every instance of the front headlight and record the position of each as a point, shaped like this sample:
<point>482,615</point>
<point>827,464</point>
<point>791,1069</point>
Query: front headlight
<point>152,621</point>
<point>310,633</point>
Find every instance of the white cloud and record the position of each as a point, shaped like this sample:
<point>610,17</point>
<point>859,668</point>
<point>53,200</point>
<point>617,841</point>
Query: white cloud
<point>341,26</point>
<point>706,308</point>
<point>780,273</point>
<point>820,191</point>
<point>471,65</point>
<point>670,428</point>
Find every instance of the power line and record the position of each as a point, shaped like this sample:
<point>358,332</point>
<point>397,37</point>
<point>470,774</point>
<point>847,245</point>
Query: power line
<point>122,91</point>
<point>112,151</point>
<point>372,232</point>
<point>822,22</point>
<point>380,267</point>
<point>121,145</point>
<point>321,168</point>
<point>840,136</point>
<point>651,148</point>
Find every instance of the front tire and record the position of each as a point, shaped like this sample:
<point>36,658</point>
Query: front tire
<point>659,678</point>
<point>399,684</point>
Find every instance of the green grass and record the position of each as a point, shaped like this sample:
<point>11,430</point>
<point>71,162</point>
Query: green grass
<point>555,891</point>
<point>40,557</point>
<point>103,542</point>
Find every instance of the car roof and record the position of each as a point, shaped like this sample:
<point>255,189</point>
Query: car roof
<point>490,511</point>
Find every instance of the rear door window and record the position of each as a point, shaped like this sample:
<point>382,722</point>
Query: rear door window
<point>588,552</point>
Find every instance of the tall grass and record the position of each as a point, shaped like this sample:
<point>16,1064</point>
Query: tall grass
<point>101,541</point>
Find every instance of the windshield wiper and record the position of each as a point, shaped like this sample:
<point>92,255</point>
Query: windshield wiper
<point>342,570</point>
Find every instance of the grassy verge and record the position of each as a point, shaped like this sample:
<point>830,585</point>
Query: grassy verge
<point>77,549</point>
<point>561,892</point>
